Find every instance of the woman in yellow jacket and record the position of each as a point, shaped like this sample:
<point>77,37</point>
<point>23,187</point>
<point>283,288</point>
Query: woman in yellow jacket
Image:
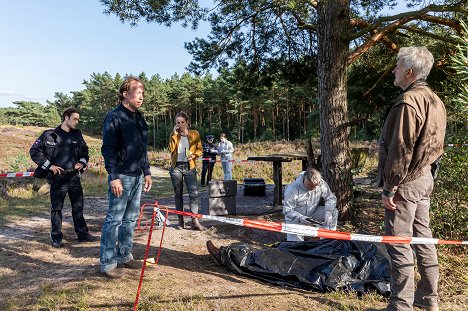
<point>185,147</point>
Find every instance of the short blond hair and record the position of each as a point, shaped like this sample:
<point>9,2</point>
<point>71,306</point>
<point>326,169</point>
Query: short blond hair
<point>126,84</point>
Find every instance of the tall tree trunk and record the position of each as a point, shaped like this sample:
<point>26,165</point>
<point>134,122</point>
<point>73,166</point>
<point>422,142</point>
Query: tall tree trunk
<point>209,118</point>
<point>333,29</point>
<point>273,125</point>
<point>304,118</point>
<point>165,129</point>
<point>287,117</point>
<point>154,132</point>
<point>255,123</point>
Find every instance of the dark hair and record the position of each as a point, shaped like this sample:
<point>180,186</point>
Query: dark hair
<point>223,135</point>
<point>183,115</point>
<point>68,112</point>
<point>125,87</point>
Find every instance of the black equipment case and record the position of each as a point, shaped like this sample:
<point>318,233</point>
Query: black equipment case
<point>254,187</point>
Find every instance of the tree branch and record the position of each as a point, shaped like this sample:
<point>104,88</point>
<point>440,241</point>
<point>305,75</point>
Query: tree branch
<point>377,37</point>
<point>420,14</point>
<point>431,35</point>
<point>386,72</point>
<point>301,24</point>
<point>288,37</point>
<point>355,22</point>
<point>404,18</point>
<point>442,21</point>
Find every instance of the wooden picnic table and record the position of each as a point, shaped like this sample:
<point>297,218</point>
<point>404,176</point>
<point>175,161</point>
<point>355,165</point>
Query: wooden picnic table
<point>278,159</point>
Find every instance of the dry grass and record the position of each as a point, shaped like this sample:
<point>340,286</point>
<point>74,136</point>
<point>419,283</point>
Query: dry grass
<point>16,141</point>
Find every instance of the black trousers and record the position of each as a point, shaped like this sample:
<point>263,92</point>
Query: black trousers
<point>60,186</point>
<point>207,167</point>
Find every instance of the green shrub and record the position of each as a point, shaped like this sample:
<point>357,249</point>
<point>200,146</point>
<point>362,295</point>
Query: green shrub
<point>449,202</point>
<point>267,135</point>
<point>19,163</point>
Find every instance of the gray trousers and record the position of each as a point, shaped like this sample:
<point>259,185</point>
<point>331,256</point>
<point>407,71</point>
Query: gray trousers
<point>411,218</point>
<point>180,173</point>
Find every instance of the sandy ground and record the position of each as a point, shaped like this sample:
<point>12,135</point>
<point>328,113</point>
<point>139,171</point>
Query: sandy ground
<point>31,266</point>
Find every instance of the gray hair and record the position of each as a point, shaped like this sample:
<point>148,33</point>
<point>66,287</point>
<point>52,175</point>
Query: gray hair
<point>418,58</point>
<point>313,175</point>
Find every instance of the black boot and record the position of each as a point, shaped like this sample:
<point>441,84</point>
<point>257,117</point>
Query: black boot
<point>196,225</point>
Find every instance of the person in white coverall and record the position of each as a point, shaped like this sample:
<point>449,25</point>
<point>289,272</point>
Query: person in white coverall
<point>301,203</point>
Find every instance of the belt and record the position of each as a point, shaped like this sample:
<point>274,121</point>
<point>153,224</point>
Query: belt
<point>181,163</point>
<point>70,171</point>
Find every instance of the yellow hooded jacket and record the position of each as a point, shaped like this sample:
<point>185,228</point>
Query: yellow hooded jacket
<point>195,148</point>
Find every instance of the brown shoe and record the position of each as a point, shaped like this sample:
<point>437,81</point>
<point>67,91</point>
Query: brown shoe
<point>214,251</point>
<point>196,225</point>
<point>113,274</point>
<point>132,264</point>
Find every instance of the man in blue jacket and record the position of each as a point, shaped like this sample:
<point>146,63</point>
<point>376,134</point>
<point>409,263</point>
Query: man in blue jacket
<point>124,148</point>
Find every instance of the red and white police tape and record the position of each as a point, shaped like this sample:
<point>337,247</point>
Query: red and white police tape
<point>25,174</point>
<point>315,232</point>
<point>21,174</point>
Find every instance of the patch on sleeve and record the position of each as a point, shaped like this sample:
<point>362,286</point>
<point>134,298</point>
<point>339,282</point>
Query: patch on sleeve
<point>37,142</point>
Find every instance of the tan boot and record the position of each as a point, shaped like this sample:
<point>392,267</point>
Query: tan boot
<point>196,225</point>
<point>181,224</point>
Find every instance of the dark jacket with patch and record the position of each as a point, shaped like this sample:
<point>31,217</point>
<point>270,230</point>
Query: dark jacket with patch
<point>44,149</point>
<point>125,143</point>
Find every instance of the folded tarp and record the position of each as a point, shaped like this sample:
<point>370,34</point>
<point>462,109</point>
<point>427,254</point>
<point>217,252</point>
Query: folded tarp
<point>321,265</point>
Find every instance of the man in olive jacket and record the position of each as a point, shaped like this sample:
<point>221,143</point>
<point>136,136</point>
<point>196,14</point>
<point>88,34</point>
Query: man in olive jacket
<point>412,140</point>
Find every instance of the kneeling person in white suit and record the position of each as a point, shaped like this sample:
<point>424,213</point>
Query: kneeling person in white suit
<point>301,203</point>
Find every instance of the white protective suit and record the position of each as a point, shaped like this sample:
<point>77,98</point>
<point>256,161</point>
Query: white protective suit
<point>300,203</point>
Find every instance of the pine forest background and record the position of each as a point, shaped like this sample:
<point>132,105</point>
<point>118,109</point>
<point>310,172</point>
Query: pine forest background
<point>278,102</point>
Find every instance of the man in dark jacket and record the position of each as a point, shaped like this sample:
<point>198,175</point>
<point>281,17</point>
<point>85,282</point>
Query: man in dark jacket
<point>124,148</point>
<point>412,141</point>
<point>209,158</point>
<point>63,153</point>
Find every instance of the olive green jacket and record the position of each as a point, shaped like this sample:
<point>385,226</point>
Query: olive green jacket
<point>412,137</point>
<point>195,147</point>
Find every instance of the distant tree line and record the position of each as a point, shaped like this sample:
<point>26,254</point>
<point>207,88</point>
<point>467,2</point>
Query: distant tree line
<point>274,104</point>
<point>277,102</point>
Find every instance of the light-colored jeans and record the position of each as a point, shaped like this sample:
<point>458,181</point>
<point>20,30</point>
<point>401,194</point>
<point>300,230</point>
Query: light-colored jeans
<point>119,225</point>
<point>411,218</point>
<point>179,174</point>
<point>318,215</point>
<point>227,166</point>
